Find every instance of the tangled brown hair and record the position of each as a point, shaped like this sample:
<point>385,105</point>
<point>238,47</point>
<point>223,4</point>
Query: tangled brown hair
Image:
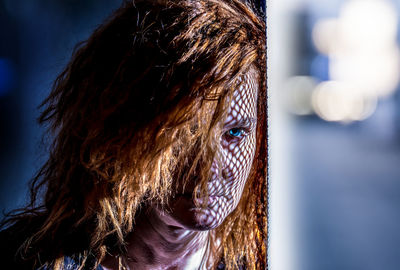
<point>139,97</point>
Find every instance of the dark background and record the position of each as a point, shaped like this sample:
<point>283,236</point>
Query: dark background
<point>37,40</point>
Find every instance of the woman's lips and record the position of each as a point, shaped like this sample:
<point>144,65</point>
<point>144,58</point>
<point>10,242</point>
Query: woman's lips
<point>199,201</point>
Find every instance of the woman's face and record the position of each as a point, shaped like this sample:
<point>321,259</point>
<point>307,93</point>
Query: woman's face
<point>229,175</point>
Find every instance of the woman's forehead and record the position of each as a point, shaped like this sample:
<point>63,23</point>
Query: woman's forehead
<point>244,100</point>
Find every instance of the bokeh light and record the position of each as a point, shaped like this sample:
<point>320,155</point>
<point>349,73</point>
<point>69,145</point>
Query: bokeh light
<point>337,101</point>
<point>359,53</point>
<point>297,92</point>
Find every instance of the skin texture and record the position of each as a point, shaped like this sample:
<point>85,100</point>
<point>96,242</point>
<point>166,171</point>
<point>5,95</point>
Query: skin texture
<point>177,239</point>
<point>238,144</point>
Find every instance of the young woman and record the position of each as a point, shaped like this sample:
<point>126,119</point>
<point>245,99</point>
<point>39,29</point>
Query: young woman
<point>160,150</point>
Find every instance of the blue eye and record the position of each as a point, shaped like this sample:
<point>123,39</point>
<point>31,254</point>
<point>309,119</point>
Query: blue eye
<point>236,132</point>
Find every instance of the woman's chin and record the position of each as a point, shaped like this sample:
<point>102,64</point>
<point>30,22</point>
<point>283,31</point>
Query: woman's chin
<point>192,217</point>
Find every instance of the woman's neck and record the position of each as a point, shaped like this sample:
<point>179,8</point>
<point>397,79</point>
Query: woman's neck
<point>158,242</point>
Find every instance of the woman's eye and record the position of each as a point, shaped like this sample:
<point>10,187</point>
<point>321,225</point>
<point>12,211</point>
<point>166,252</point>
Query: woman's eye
<point>236,132</point>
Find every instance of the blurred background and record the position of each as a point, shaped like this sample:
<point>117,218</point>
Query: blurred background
<point>334,112</point>
<point>36,41</point>
<point>334,68</point>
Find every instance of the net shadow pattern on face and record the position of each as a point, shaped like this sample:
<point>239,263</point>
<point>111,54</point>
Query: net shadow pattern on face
<point>238,145</point>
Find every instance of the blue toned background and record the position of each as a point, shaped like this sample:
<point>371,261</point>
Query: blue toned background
<point>334,87</point>
<point>36,41</point>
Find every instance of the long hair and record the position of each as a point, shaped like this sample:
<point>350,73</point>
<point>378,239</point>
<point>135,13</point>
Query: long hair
<point>138,98</point>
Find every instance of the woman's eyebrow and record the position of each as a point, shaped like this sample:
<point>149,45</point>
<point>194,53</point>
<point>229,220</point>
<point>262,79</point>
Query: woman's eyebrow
<point>245,121</point>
